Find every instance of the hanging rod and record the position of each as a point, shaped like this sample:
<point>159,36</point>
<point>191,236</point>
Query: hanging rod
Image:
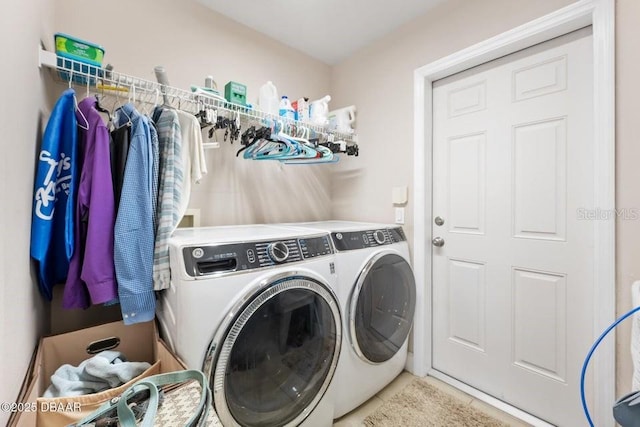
<point>91,74</point>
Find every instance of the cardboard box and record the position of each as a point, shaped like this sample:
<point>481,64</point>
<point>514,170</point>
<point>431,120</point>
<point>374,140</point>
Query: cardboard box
<point>138,342</point>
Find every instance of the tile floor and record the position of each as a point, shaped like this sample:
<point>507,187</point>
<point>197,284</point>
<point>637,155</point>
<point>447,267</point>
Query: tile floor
<point>357,416</point>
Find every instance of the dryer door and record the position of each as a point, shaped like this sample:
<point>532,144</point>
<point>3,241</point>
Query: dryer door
<point>276,357</point>
<point>381,307</point>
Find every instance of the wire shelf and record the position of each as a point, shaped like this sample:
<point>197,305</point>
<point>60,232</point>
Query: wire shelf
<point>114,83</point>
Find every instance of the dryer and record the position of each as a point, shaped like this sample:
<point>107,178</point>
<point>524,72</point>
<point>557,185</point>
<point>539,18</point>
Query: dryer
<point>254,308</point>
<point>377,293</point>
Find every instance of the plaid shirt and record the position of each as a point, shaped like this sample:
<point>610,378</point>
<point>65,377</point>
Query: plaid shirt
<point>170,192</point>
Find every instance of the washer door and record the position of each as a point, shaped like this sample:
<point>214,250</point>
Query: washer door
<point>381,307</point>
<point>276,358</point>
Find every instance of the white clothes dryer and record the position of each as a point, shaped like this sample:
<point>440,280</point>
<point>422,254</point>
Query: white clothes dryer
<point>377,293</point>
<point>254,308</point>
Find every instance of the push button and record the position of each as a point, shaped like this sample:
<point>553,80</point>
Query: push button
<point>198,253</point>
<point>251,256</point>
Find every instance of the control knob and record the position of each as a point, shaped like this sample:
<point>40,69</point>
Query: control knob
<point>278,252</point>
<point>379,237</point>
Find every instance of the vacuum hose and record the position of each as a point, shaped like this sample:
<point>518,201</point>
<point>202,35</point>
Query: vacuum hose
<point>586,361</point>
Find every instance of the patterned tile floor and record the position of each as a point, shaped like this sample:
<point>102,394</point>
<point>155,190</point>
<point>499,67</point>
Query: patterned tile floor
<point>357,416</point>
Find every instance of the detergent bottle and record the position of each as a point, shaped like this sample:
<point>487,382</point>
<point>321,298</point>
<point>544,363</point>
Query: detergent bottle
<point>342,119</point>
<point>268,98</point>
<point>319,111</point>
<point>286,110</point>
<point>302,109</point>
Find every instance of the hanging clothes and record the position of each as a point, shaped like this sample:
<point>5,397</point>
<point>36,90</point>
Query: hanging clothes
<point>52,226</point>
<point>170,191</point>
<point>194,164</point>
<point>155,168</point>
<point>182,163</point>
<point>91,278</point>
<point>119,148</point>
<point>134,233</point>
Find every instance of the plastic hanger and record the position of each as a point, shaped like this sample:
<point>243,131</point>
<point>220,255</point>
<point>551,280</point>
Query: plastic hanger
<point>146,102</point>
<point>304,150</point>
<point>77,107</point>
<point>324,154</point>
<point>264,145</point>
<point>114,112</point>
<point>102,109</point>
<point>279,146</point>
<point>253,138</point>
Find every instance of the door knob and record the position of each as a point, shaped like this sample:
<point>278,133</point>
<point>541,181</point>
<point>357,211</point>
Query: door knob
<point>438,242</point>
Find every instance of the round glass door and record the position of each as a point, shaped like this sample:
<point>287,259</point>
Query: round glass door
<point>278,355</point>
<point>381,308</point>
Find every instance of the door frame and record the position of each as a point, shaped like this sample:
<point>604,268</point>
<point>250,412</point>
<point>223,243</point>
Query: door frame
<point>600,15</point>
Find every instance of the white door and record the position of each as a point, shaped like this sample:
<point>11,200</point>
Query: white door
<point>512,172</point>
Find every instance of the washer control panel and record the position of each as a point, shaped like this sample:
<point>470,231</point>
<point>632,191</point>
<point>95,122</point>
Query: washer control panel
<point>231,257</point>
<point>278,252</point>
<point>315,247</point>
<point>352,240</point>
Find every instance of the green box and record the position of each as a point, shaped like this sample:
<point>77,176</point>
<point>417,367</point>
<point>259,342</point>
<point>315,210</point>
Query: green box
<point>236,93</point>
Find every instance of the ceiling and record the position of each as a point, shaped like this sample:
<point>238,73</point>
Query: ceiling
<point>328,30</point>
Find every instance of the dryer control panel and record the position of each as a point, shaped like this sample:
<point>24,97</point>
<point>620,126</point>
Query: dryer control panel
<point>352,240</point>
<point>235,257</point>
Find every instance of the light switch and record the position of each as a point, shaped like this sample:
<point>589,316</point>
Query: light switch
<point>399,195</point>
<point>399,215</point>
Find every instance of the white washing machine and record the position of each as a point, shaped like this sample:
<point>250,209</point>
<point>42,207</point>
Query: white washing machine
<point>377,293</point>
<point>254,308</point>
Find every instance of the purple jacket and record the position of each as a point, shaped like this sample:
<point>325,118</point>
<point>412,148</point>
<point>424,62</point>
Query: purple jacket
<point>91,278</point>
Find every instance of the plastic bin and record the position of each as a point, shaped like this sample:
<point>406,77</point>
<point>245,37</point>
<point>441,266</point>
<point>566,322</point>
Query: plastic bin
<point>74,53</point>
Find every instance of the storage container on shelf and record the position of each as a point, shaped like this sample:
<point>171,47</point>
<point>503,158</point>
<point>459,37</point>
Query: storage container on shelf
<point>286,110</point>
<point>342,119</point>
<point>268,99</point>
<point>301,108</point>
<point>81,52</point>
<point>319,111</point>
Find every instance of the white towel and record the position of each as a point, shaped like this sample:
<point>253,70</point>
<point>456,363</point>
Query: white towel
<point>103,371</point>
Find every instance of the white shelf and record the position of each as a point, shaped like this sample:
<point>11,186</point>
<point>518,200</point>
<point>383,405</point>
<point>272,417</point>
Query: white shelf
<point>148,91</point>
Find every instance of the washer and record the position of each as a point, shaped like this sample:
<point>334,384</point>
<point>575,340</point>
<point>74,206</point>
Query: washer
<point>377,293</point>
<point>254,308</point>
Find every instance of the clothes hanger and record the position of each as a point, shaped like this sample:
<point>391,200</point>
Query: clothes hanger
<point>101,109</point>
<point>145,102</point>
<point>325,155</point>
<point>251,137</point>
<point>304,150</point>
<point>114,112</point>
<point>77,107</point>
<point>265,145</point>
<point>278,146</point>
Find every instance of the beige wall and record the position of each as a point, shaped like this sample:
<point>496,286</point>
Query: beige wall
<point>379,81</point>
<point>192,41</point>
<point>22,313</point>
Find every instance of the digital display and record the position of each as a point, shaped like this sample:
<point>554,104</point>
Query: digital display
<point>315,247</point>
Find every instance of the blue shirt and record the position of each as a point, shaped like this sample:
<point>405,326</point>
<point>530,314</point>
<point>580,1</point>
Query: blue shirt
<point>52,224</point>
<point>134,233</point>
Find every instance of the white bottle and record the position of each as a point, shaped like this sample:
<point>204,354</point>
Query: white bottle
<point>268,98</point>
<point>303,109</point>
<point>342,119</point>
<point>286,110</point>
<point>319,111</point>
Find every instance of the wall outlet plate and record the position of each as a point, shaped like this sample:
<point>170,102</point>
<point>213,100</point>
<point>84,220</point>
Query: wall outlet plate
<point>399,215</point>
